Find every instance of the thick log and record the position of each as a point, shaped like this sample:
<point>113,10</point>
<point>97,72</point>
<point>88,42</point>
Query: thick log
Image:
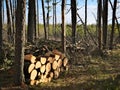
<point>48,67</point>
<point>54,65</point>
<point>50,59</point>
<point>51,74</point>
<point>38,64</point>
<point>57,57</point>
<point>31,67</point>
<point>30,57</point>
<point>56,74</point>
<point>32,82</point>
<point>59,63</point>
<point>42,69</point>
<point>43,60</point>
<point>33,75</point>
<point>65,62</point>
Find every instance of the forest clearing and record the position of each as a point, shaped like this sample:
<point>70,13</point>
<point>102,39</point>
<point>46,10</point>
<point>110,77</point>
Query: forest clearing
<point>87,72</point>
<point>59,44</point>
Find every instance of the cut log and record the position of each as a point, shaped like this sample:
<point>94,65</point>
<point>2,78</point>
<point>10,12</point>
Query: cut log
<point>43,60</point>
<point>48,67</point>
<point>33,75</point>
<point>38,64</point>
<point>37,82</point>
<point>31,67</point>
<point>30,57</point>
<point>65,62</point>
<point>48,54</point>
<point>32,82</point>
<point>42,69</point>
<point>59,62</point>
<point>56,74</point>
<point>54,65</point>
<point>51,74</point>
<point>51,59</point>
<point>57,57</point>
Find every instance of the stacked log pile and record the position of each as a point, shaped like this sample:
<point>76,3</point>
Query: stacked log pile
<point>44,68</point>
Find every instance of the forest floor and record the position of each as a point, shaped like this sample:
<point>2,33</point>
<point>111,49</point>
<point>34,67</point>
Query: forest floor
<point>90,73</point>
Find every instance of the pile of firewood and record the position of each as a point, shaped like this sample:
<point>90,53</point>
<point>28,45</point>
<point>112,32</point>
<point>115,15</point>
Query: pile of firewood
<point>44,68</point>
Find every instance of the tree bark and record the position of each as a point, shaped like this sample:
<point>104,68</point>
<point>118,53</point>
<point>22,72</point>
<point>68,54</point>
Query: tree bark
<point>105,23</point>
<point>113,25</point>
<point>85,18</point>
<point>31,22</point>
<point>73,16</point>
<point>99,12</point>
<point>19,42</point>
<point>9,22</point>
<point>1,41</point>
<point>63,26</point>
<point>44,20</point>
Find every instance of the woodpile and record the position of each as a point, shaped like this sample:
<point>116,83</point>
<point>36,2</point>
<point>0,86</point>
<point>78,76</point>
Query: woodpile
<point>44,68</point>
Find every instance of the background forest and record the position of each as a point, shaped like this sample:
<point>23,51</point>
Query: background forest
<point>92,47</point>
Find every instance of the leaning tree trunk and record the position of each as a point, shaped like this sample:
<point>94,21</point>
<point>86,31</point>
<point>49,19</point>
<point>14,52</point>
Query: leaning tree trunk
<point>73,14</point>
<point>19,42</point>
<point>113,24</point>
<point>63,26</point>
<point>105,23</point>
<point>44,20</point>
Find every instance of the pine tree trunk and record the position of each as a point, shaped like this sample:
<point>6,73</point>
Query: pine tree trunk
<point>44,20</point>
<point>63,26</point>
<point>85,28</point>
<point>19,42</point>
<point>31,22</point>
<point>105,23</point>
<point>9,22</point>
<point>1,41</point>
<point>113,24</point>
<point>99,23</point>
<point>73,13</point>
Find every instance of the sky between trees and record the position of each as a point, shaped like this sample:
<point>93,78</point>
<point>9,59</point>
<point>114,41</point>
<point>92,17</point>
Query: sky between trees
<point>92,11</point>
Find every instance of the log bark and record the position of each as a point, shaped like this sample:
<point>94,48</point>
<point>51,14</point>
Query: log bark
<point>30,58</point>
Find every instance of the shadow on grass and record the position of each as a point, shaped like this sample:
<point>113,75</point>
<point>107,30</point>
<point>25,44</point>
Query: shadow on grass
<point>107,84</point>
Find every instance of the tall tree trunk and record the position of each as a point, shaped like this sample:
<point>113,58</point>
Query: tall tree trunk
<point>44,20</point>
<point>1,41</point>
<point>85,18</point>
<point>73,14</point>
<point>99,12</point>
<point>31,22</point>
<point>9,22</point>
<point>113,24</point>
<point>105,23</point>
<point>63,26</point>
<point>48,26</point>
<point>19,42</point>
<point>34,3</point>
<point>116,20</point>
<point>38,18</point>
<point>55,18</point>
